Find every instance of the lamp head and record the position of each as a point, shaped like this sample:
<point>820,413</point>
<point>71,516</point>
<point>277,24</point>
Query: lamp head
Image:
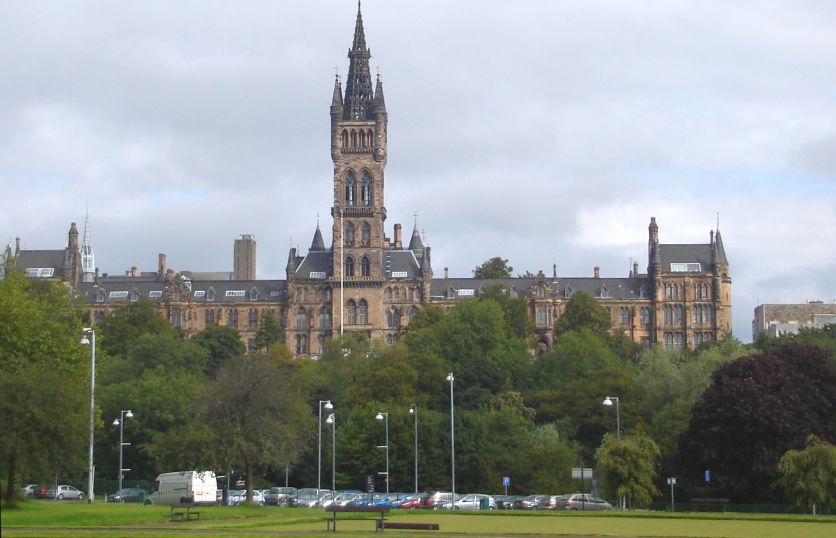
<point>379,416</point>
<point>116,422</point>
<point>607,401</point>
<point>129,414</point>
<point>330,419</point>
<point>328,405</point>
<point>412,409</point>
<point>450,377</point>
<point>85,341</point>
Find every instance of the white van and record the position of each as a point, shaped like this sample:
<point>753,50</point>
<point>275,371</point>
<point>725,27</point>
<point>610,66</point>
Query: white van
<point>184,487</point>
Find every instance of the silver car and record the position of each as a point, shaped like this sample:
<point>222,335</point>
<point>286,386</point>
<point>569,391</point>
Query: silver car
<point>476,501</point>
<point>63,492</point>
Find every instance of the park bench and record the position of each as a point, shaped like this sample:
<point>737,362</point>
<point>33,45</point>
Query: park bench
<point>382,525</point>
<point>183,512</point>
<point>709,504</point>
<point>378,511</point>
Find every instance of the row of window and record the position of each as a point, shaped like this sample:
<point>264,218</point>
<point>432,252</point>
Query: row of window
<point>677,339</point>
<point>322,294</point>
<point>209,295</point>
<point>365,266</point>
<point>357,138</point>
<point>677,291</point>
<point>365,234</point>
<point>350,182</point>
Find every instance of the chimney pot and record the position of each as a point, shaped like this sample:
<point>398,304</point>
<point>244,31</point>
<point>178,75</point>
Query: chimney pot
<point>597,272</point>
<point>445,273</point>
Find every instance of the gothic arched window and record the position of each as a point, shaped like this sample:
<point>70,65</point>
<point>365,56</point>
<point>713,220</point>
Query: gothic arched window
<point>349,266</point>
<point>366,189</point>
<point>624,316</point>
<point>392,318</point>
<point>366,234</point>
<point>365,266</point>
<point>352,312</point>
<point>350,182</point>
<point>345,139</point>
<point>301,319</point>
<point>644,313</point>
<point>363,312</point>
<point>349,234</point>
<point>325,319</point>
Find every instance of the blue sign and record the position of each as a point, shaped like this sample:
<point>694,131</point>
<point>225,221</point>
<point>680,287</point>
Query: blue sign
<point>506,481</point>
<point>707,475</point>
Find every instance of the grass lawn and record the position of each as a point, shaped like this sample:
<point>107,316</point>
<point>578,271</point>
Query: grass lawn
<point>44,518</point>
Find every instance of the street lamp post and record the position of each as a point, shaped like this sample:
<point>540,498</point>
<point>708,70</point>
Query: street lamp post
<point>413,410</point>
<point>329,406</point>
<point>608,402</point>
<point>123,414</point>
<point>86,341</point>
<point>450,378</point>
<point>385,417</point>
<point>332,420</point>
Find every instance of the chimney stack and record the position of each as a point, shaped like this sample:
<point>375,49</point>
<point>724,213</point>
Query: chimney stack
<point>161,266</point>
<point>17,246</point>
<point>635,269</point>
<point>597,272</point>
<point>445,273</point>
<point>398,243</point>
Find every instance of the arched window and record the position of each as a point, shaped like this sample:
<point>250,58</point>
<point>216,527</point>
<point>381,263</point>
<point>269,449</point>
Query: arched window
<point>253,294</point>
<point>353,138</point>
<point>363,312</point>
<point>365,266</point>
<point>708,313</point>
<point>324,319</point>
<point>252,318</point>
<point>350,183</point>
<point>345,139</point>
<point>668,311</point>
<point>349,266</point>
<point>396,295</point>
<point>604,292</point>
<point>349,234</point>
<point>567,293</point>
<point>668,291</point>
<point>134,295</point>
<point>366,236</point>
<point>366,189</point>
<point>644,314</point>
<point>677,315</point>
<point>301,319</point>
<point>301,344</point>
<point>362,139</point>
<point>389,294</point>
<point>412,312</point>
<point>352,312</point>
<point>542,315</point>
<point>393,318</point>
<point>100,295</point>
<point>642,292</point>
<point>210,294</point>
<point>209,317</point>
<point>624,316</point>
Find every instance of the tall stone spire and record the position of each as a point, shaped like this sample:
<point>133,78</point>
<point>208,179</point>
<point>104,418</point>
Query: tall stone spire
<point>88,260</point>
<point>358,85</point>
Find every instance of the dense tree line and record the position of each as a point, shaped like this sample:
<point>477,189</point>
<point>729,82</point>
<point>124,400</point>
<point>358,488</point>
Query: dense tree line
<point>204,403</point>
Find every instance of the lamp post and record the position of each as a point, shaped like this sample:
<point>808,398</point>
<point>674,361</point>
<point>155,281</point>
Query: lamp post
<point>450,378</point>
<point>413,410</point>
<point>85,341</point>
<point>385,417</point>
<point>123,414</point>
<point>329,406</point>
<point>608,402</point>
<point>332,420</point>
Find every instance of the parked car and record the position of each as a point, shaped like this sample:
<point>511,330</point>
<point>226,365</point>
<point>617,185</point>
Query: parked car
<point>64,492</point>
<point>506,502</point>
<point>476,501</point>
<point>29,490</point>
<point>340,499</point>
<point>308,497</point>
<point>532,502</point>
<point>128,495</point>
<point>438,500</point>
<point>279,496</point>
<point>581,501</point>
<point>42,492</point>
<point>411,502</point>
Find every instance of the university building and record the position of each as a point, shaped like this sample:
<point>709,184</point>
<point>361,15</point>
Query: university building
<point>370,284</point>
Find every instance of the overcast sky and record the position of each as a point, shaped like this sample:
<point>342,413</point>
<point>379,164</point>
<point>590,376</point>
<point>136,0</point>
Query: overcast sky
<point>540,131</point>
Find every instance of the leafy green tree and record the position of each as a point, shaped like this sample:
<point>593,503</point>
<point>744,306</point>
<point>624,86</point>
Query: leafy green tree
<point>494,268</point>
<point>583,311</point>
<point>808,476</point>
<point>772,401</point>
<point>221,342</point>
<point>628,467</point>
<point>515,310</point>
<point>824,338</point>
<point>270,331</point>
<point>256,415</point>
<point>129,322</point>
<point>44,372</point>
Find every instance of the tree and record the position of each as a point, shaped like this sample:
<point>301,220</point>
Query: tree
<point>808,476</point>
<point>269,331</point>
<point>515,309</point>
<point>628,468</point>
<point>129,322</point>
<point>583,311</point>
<point>221,342</point>
<point>256,414</point>
<point>494,268</point>
<point>755,410</point>
<point>44,381</point>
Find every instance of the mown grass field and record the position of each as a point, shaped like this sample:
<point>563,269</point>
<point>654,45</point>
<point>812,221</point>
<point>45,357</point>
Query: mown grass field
<point>49,519</point>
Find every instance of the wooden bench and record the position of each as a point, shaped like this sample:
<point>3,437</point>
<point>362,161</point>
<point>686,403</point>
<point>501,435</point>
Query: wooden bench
<point>382,525</point>
<point>717,503</point>
<point>184,512</point>
<point>379,512</point>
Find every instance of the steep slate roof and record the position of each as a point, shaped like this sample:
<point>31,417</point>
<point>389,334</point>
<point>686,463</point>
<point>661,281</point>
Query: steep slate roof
<point>401,261</point>
<point>267,290</point>
<point>317,261</point>
<point>40,258</point>
<point>617,288</point>
<point>673,253</point>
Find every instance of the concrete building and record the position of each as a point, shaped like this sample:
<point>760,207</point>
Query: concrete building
<point>773,320</point>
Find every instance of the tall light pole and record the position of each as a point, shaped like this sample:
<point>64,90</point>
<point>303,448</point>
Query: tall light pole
<point>332,420</point>
<point>413,410</point>
<point>450,378</point>
<point>385,417</point>
<point>123,414</point>
<point>329,406</point>
<point>608,402</point>
<point>85,341</point>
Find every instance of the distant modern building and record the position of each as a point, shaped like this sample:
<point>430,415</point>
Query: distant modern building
<point>774,320</point>
<point>367,284</point>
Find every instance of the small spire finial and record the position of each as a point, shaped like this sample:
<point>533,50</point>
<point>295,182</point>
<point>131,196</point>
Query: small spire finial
<point>718,220</point>
<point>416,219</point>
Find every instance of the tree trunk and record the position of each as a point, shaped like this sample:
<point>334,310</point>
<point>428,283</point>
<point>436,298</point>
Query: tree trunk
<point>249,467</point>
<point>11,494</point>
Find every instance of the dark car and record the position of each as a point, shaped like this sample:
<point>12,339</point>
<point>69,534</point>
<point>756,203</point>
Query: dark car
<point>128,495</point>
<point>532,502</point>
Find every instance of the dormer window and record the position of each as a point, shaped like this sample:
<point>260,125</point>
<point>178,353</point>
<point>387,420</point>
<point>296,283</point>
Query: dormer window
<point>134,295</point>
<point>210,294</point>
<point>567,293</point>
<point>253,294</point>
<point>604,293</point>
<point>100,295</point>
